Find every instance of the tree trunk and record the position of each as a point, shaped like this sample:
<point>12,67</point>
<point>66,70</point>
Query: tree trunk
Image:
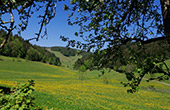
<point>165,5</point>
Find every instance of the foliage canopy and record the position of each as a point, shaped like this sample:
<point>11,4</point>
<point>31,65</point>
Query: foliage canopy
<point>104,23</point>
<point>111,24</point>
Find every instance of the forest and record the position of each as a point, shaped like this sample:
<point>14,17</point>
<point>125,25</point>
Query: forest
<point>17,47</point>
<point>69,51</point>
<point>153,49</point>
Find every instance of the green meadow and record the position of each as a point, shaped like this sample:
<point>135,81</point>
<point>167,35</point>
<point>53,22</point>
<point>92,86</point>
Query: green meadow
<point>66,61</point>
<point>62,89</point>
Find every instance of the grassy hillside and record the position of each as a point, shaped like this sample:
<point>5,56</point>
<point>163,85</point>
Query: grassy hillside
<point>18,47</point>
<point>62,89</point>
<point>168,62</point>
<point>68,51</point>
<point>66,61</point>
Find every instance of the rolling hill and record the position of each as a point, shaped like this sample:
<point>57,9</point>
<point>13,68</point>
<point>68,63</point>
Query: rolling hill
<point>61,88</point>
<point>66,61</point>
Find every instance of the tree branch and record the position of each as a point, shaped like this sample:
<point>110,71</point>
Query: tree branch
<point>4,22</point>
<point>28,3</point>
<point>167,68</point>
<point>31,39</point>
<point>128,10</point>
<point>42,23</point>
<point>10,28</point>
<point>143,41</point>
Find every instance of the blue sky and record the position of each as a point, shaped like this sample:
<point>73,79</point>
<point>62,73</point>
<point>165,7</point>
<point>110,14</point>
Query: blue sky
<point>58,26</point>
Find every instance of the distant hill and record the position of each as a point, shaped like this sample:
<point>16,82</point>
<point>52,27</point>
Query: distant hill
<point>68,51</point>
<point>17,47</point>
<point>66,60</point>
<point>68,56</point>
<point>153,49</point>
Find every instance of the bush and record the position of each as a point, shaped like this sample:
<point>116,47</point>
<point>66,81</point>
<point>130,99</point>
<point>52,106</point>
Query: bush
<point>20,98</point>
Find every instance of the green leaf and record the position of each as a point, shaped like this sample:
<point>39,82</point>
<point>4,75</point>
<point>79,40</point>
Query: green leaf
<point>76,33</point>
<point>81,32</point>
<point>13,1</point>
<point>151,33</point>
<point>16,106</point>
<point>66,7</point>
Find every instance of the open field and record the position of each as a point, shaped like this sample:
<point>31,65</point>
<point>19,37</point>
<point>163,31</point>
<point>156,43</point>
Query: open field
<point>66,61</point>
<point>62,89</point>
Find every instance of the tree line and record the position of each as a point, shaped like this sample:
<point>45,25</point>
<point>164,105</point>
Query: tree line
<point>69,51</point>
<point>154,49</point>
<point>17,47</point>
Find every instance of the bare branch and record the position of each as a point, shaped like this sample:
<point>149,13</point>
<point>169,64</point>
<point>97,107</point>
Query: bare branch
<point>28,3</point>
<point>10,28</point>
<point>144,41</point>
<point>12,21</point>
<point>3,26</point>
<point>42,23</point>
<point>31,39</point>
<point>4,22</point>
<point>3,43</point>
<point>128,10</point>
<point>54,12</point>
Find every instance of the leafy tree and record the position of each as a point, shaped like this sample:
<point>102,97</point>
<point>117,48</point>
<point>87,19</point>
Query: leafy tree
<point>84,61</point>
<point>54,61</point>
<point>33,54</point>
<point>17,47</point>
<point>113,24</point>
<point>77,64</point>
<point>82,68</point>
<point>88,64</point>
<point>57,61</point>
<point>109,23</point>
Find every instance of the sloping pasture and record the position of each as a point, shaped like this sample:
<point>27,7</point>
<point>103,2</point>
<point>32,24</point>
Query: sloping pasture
<point>61,89</point>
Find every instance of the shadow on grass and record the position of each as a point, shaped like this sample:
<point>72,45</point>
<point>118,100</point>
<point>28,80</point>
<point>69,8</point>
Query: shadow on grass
<point>5,90</point>
<point>152,88</point>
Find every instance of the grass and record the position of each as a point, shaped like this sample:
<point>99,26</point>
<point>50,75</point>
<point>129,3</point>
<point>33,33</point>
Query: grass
<point>66,61</point>
<point>158,74</point>
<point>168,63</point>
<point>61,89</point>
